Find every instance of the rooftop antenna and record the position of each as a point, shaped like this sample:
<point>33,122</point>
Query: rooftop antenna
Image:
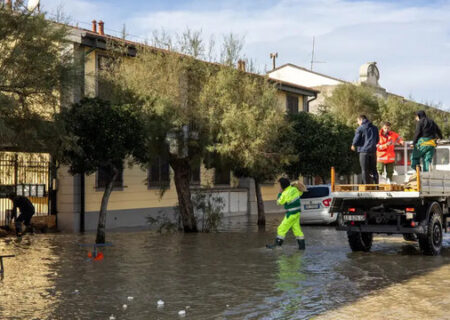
<point>312,55</point>
<point>274,57</point>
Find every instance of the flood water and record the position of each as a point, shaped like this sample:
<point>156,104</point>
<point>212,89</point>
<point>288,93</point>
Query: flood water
<point>226,275</point>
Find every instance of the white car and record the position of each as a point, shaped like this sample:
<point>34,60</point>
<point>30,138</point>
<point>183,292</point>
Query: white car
<point>316,204</point>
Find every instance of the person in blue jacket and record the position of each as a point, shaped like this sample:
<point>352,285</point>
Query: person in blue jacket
<point>365,142</point>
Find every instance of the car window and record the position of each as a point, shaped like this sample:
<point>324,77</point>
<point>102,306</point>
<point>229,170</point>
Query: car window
<point>316,192</point>
<point>442,156</point>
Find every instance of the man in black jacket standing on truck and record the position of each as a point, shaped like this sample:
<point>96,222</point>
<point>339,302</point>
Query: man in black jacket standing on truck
<point>366,140</point>
<point>424,141</point>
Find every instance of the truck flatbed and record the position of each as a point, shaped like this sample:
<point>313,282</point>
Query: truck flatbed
<point>418,209</point>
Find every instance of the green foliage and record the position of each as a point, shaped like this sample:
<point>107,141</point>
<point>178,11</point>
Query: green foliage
<point>246,123</point>
<point>321,142</point>
<point>99,134</point>
<point>348,101</point>
<point>208,209</point>
<point>35,66</point>
<point>400,114</point>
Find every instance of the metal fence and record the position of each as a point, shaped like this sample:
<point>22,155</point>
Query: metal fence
<point>26,174</point>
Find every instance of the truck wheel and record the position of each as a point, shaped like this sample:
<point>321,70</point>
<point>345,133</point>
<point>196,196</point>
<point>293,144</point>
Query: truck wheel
<point>360,241</point>
<point>410,237</point>
<point>431,242</point>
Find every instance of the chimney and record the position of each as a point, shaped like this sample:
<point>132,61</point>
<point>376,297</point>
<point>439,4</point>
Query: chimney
<point>241,65</point>
<point>94,26</point>
<point>101,30</point>
<point>9,4</point>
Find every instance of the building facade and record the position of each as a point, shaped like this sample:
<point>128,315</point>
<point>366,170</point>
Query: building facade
<point>137,194</point>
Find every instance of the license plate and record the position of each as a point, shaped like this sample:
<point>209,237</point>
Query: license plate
<point>354,218</point>
<point>311,206</point>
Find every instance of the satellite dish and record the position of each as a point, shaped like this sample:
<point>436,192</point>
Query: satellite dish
<point>33,4</point>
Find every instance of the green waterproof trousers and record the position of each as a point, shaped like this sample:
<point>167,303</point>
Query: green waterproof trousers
<point>424,152</point>
<point>292,222</point>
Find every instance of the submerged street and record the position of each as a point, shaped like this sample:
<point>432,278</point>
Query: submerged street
<point>226,275</point>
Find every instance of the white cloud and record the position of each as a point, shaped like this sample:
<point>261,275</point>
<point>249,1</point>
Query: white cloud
<point>410,42</point>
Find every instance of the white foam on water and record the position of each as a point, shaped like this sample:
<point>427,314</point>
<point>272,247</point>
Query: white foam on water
<point>124,307</point>
<point>182,313</point>
<point>130,298</point>
<point>160,303</point>
<point>112,317</point>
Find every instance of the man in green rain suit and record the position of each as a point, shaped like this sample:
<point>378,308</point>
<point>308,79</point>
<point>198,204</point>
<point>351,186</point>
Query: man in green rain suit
<point>289,197</point>
<point>424,141</point>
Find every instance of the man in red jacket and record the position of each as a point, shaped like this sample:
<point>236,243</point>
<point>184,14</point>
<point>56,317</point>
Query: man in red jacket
<point>385,150</point>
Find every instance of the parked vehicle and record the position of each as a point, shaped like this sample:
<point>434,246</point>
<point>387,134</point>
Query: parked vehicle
<point>316,204</point>
<point>419,211</point>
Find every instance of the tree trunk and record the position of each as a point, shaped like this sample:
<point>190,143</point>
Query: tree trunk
<point>260,204</point>
<point>101,227</point>
<point>182,171</point>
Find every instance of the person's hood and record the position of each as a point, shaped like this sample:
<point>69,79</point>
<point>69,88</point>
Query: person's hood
<point>421,114</point>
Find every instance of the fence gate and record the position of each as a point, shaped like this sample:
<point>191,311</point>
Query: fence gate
<point>26,174</point>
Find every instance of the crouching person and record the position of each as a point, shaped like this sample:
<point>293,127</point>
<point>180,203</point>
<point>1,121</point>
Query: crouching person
<point>26,213</point>
<point>289,197</point>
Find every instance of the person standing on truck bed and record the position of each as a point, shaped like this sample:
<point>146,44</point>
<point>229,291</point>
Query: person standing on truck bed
<point>289,197</point>
<point>385,150</point>
<point>366,140</point>
<point>424,141</point>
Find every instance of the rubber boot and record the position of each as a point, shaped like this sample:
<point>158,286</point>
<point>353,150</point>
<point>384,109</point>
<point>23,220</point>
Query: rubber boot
<point>18,225</point>
<point>278,242</point>
<point>301,244</point>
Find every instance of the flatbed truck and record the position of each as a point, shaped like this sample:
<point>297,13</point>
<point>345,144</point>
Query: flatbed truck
<point>418,210</point>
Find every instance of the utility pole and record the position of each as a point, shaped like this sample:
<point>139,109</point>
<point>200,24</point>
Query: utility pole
<point>274,57</point>
<point>312,54</point>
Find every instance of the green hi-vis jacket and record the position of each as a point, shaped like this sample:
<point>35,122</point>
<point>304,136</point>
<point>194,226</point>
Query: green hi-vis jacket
<point>290,198</point>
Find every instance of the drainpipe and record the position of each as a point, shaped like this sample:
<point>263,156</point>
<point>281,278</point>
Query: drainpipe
<point>310,100</point>
<point>82,203</point>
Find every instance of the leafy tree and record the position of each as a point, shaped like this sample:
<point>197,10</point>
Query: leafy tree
<point>246,124</point>
<point>400,114</point>
<point>34,69</point>
<point>348,101</point>
<point>98,134</point>
<point>320,143</point>
<point>167,86</point>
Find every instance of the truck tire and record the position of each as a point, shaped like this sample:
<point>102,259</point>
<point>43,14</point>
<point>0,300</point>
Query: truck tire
<point>360,241</point>
<point>431,242</point>
<point>410,237</point>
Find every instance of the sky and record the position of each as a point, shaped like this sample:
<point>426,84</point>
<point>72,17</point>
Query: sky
<point>409,40</point>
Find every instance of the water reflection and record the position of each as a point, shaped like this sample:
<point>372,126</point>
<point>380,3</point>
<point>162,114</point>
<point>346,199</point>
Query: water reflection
<point>227,275</point>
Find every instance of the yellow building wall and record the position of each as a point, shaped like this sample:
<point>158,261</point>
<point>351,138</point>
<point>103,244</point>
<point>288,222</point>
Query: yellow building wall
<point>135,193</point>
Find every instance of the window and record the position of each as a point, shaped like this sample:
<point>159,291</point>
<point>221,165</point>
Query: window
<point>103,174</point>
<point>159,173</point>
<point>222,176</point>
<point>316,192</point>
<point>291,104</point>
<point>442,157</point>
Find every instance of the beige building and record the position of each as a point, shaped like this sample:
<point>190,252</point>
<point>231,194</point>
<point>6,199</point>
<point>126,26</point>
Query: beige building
<point>368,75</point>
<point>137,195</point>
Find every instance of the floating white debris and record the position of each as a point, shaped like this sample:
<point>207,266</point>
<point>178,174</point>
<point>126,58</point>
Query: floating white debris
<point>182,313</point>
<point>228,305</point>
<point>56,273</point>
<point>188,307</point>
<point>76,291</point>
<point>130,298</point>
<point>160,303</point>
<point>124,307</point>
<point>112,317</point>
